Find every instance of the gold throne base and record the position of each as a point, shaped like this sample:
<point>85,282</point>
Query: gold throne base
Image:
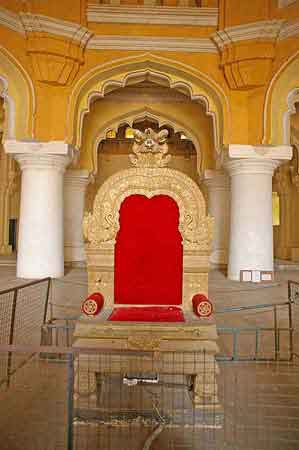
<point>187,349</point>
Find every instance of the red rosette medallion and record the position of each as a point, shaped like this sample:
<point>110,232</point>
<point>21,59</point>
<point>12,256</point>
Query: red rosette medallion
<point>93,304</point>
<point>202,306</point>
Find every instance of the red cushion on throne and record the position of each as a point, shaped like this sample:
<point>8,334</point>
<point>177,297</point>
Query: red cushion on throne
<point>148,314</point>
<point>148,252</point>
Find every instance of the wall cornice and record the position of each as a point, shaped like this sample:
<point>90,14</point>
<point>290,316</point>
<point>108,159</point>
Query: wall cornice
<point>289,30</point>
<point>163,15</point>
<point>200,45</point>
<point>265,30</point>
<point>11,20</point>
<point>44,24</point>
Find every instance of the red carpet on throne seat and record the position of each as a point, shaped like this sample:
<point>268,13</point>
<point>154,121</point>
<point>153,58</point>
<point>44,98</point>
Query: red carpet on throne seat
<point>148,314</point>
<point>148,252</point>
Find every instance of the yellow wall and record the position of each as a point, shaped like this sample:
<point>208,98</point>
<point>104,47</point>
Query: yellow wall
<point>244,110</point>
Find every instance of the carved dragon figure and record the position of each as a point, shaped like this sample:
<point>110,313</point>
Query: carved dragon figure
<point>150,148</point>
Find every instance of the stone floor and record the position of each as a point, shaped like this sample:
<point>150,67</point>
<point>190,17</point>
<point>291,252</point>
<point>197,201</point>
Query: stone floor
<point>260,400</point>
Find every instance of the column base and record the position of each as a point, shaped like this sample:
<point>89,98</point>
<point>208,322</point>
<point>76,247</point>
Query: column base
<point>219,257</point>
<point>35,275</point>
<point>74,253</point>
<point>283,253</point>
<point>295,254</point>
<point>6,250</point>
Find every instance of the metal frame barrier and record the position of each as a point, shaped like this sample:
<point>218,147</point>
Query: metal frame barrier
<point>293,298</point>
<point>16,322</point>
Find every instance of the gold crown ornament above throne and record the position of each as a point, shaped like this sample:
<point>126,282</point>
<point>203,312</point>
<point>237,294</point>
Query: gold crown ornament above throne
<point>150,148</point>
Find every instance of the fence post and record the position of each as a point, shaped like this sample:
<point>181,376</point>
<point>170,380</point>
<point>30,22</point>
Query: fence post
<point>70,400</point>
<point>47,299</point>
<point>11,333</point>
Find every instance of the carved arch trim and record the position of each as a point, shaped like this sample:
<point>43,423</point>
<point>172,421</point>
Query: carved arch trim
<point>17,90</point>
<point>143,114</point>
<point>125,71</point>
<point>281,95</point>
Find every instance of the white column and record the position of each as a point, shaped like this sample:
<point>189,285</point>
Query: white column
<point>218,185</point>
<point>75,183</point>
<point>251,231</point>
<point>40,243</point>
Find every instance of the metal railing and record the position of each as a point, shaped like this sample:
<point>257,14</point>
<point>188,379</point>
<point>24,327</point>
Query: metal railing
<point>23,310</point>
<point>258,354</point>
<point>61,408</point>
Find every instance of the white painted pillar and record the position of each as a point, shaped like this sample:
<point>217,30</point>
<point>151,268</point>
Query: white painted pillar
<point>218,186</point>
<point>40,243</point>
<point>251,229</point>
<point>75,183</point>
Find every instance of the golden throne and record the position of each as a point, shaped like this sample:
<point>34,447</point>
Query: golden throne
<point>148,246</point>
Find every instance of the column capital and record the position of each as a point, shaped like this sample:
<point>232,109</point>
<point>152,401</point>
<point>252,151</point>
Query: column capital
<point>13,146</point>
<point>42,155</point>
<point>216,180</point>
<point>263,152</point>
<point>42,161</point>
<point>251,166</point>
<point>77,179</point>
<point>261,159</point>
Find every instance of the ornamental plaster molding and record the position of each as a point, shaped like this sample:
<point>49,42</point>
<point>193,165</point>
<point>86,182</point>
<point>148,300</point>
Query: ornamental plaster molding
<point>11,20</point>
<point>101,226</point>
<point>292,99</point>
<point>289,30</point>
<point>13,146</point>
<point>77,179</point>
<point>216,180</point>
<point>251,166</point>
<point>27,23</point>
<point>263,30</point>
<point>9,108</point>
<point>148,43</point>
<point>165,15</point>
<point>39,23</point>
<point>42,161</point>
<point>141,115</point>
<point>284,3</point>
<point>263,152</point>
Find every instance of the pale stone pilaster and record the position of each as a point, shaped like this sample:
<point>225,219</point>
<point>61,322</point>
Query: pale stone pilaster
<point>75,183</point>
<point>218,186</point>
<point>40,243</point>
<point>251,232</point>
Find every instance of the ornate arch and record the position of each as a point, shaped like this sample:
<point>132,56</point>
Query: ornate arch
<point>281,96</point>
<point>122,72</point>
<point>17,91</point>
<point>102,225</point>
<point>151,114</point>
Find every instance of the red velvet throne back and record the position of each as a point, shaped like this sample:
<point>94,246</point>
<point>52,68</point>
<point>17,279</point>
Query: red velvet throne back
<point>148,252</point>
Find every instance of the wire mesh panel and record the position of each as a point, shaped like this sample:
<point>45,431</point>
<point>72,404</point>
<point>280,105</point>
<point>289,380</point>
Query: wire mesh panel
<point>34,410</point>
<point>22,313</point>
<point>261,405</point>
<point>142,400</point>
<point>29,314</point>
<point>6,309</point>
<point>91,400</point>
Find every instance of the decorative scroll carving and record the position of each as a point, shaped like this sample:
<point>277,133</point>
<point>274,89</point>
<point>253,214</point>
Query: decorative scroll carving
<point>150,149</point>
<point>145,342</point>
<point>101,226</point>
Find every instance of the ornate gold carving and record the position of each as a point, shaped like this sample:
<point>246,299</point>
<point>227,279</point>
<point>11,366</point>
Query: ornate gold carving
<point>150,149</point>
<point>143,342</point>
<point>101,226</point>
<point>282,178</point>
